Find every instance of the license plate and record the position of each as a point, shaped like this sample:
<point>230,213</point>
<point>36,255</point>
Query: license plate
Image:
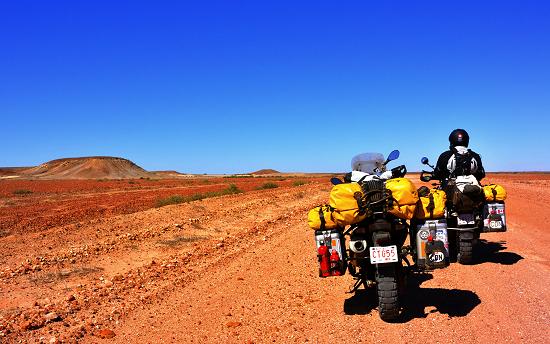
<point>465,219</point>
<point>383,254</point>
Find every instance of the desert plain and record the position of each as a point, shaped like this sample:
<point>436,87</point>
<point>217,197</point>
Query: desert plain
<point>105,261</point>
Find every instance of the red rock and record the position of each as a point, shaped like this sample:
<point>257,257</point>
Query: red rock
<point>25,325</point>
<point>105,333</point>
<point>233,324</point>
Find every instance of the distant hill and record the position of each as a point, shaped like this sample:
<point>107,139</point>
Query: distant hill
<point>265,171</point>
<point>94,167</point>
<point>10,171</point>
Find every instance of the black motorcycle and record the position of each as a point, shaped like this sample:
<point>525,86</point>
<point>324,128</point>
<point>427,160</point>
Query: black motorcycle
<point>464,214</point>
<point>375,253</point>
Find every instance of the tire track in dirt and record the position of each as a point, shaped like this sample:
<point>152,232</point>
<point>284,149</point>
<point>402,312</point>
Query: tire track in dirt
<point>272,294</point>
<point>154,278</point>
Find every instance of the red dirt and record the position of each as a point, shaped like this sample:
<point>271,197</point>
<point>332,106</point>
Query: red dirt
<point>55,203</point>
<point>242,268</point>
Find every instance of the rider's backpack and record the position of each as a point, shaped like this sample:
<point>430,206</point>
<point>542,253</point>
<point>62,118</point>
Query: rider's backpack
<point>462,163</point>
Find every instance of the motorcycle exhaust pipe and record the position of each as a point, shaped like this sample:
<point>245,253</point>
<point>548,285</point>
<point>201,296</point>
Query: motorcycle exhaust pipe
<point>358,246</point>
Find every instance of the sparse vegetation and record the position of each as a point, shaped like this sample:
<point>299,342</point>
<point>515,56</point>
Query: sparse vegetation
<point>178,240</point>
<point>22,192</point>
<point>268,185</point>
<point>298,182</point>
<point>239,176</point>
<point>177,199</point>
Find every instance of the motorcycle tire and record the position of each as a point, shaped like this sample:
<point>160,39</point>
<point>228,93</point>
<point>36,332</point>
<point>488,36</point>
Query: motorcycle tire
<point>388,294</point>
<point>465,252</point>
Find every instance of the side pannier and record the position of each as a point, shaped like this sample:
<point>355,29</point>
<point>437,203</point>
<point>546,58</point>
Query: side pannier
<point>403,197</point>
<point>431,204</point>
<point>494,193</point>
<point>320,218</point>
<point>347,201</point>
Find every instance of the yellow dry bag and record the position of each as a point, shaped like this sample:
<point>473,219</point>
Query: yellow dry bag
<point>404,197</point>
<point>432,206</point>
<point>347,201</point>
<point>494,193</point>
<point>320,218</point>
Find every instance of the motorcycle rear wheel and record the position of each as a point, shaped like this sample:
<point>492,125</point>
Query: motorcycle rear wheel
<point>388,293</point>
<point>465,251</point>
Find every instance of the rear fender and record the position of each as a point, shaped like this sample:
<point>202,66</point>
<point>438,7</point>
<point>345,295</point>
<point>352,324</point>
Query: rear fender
<point>466,235</point>
<point>381,238</point>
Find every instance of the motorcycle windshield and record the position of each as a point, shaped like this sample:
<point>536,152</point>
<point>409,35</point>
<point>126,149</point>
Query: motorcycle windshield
<point>368,162</point>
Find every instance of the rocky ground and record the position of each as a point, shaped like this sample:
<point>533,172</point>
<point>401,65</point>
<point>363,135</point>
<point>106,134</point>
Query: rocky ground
<point>242,269</point>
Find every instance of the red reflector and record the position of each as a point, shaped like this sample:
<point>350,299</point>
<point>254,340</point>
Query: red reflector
<point>430,238</point>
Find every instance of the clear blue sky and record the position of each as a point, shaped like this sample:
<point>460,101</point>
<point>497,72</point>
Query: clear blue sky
<point>235,86</point>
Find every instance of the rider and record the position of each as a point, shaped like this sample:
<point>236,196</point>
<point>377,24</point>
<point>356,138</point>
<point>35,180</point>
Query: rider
<point>459,160</point>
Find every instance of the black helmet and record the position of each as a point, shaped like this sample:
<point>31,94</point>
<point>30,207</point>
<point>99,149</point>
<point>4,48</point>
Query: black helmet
<point>459,137</point>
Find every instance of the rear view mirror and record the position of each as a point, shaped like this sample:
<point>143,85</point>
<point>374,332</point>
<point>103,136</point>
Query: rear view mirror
<point>424,161</point>
<point>335,181</point>
<point>392,156</point>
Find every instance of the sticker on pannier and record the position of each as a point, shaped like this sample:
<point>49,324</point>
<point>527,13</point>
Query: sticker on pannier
<point>431,206</point>
<point>494,193</point>
<point>403,197</point>
<point>347,201</point>
<point>320,218</point>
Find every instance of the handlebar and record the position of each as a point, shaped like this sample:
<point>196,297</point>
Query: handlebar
<point>399,171</point>
<point>426,176</point>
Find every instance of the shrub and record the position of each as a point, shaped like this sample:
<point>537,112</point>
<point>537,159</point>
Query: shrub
<point>268,185</point>
<point>176,199</point>
<point>22,192</point>
<point>298,182</point>
<point>169,200</point>
<point>233,189</point>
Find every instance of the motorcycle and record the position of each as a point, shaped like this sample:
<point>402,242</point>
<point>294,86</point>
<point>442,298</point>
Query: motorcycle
<point>375,252</point>
<point>464,214</point>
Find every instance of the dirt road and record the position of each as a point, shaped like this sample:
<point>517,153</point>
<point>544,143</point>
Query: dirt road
<point>242,269</point>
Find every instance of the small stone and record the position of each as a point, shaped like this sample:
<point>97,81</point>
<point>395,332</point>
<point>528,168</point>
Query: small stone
<point>52,316</point>
<point>25,325</point>
<point>105,333</point>
<point>233,324</point>
<point>108,283</point>
<point>70,298</point>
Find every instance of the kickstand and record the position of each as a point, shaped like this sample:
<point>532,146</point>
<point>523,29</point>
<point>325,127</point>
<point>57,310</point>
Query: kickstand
<point>356,285</point>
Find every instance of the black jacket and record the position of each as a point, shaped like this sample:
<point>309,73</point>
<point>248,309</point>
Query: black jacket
<point>442,169</point>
